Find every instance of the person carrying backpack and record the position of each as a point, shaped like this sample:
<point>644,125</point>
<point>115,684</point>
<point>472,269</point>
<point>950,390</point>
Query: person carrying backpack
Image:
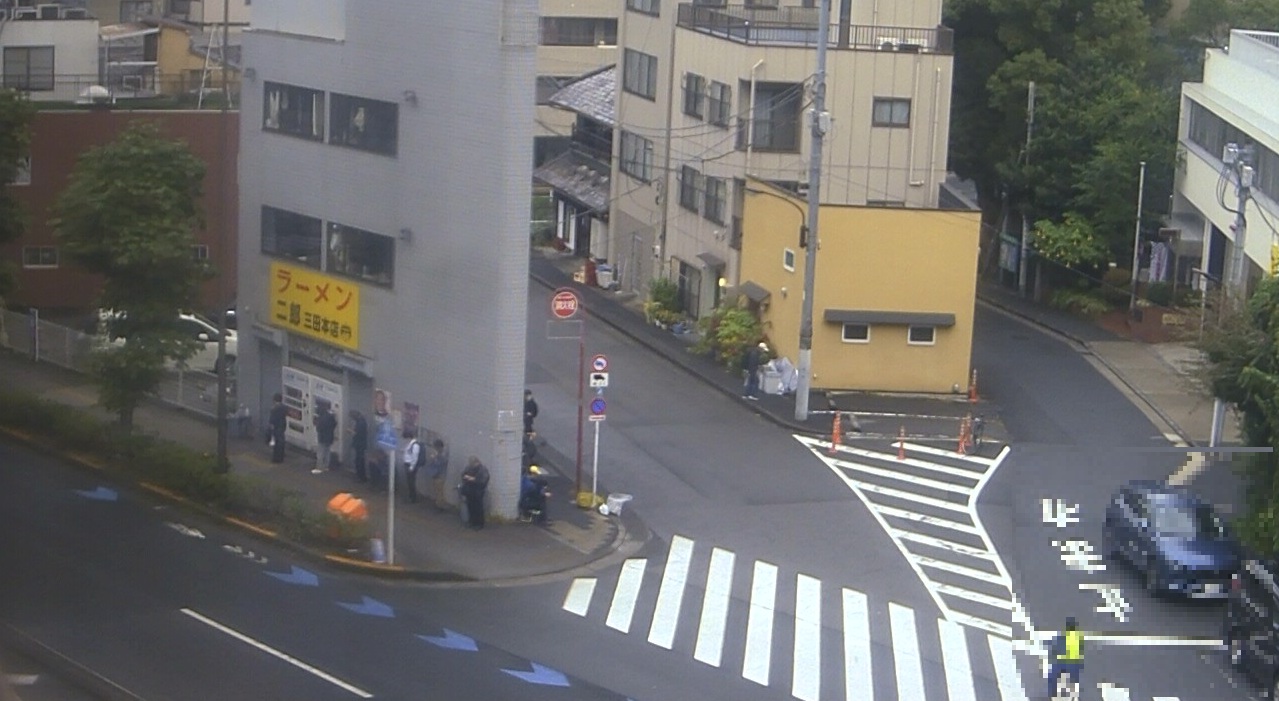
<point>414,460</point>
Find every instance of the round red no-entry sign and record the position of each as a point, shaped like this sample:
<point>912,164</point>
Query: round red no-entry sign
<point>564,304</point>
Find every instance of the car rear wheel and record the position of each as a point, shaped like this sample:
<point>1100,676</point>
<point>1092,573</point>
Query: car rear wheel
<point>1108,549</point>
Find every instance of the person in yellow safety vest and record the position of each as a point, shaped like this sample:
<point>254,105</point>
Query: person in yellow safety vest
<point>1067,656</point>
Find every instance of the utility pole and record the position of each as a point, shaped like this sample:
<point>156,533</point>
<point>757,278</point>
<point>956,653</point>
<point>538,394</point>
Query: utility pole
<point>820,124</point>
<point>1136,243</point>
<point>1023,260</point>
<point>1239,157</point>
<point>223,463</point>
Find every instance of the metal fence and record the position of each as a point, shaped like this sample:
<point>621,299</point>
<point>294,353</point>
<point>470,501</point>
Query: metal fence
<point>47,342</point>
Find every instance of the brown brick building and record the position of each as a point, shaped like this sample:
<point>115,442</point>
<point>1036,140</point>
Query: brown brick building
<point>46,280</point>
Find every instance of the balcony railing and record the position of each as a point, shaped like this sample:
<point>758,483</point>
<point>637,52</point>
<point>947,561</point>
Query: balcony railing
<point>797,26</point>
<point>131,85</point>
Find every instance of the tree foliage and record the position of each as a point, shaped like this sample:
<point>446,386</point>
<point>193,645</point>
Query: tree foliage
<point>1243,369</point>
<point>129,213</point>
<point>1072,243</point>
<point>15,134</point>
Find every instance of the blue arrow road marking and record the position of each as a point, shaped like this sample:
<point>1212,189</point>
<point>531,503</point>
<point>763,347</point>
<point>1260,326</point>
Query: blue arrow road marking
<point>540,675</point>
<point>452,640</point>
<point>99,494</point>
<point>370,607</point>
<point>297,576</point>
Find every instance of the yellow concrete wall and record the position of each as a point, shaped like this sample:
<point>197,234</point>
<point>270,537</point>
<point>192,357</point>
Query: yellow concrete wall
<point>179,68</point>
<point>875,259</point>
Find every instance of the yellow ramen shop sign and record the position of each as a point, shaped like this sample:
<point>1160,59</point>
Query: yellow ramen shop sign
<point>322,307</point>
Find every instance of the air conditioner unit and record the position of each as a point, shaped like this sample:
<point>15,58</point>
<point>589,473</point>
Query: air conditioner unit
<point>75,13</point>
<point>26,13</point>
<point>131,82</point>
<point>49,11</point>
<point>886,43</point>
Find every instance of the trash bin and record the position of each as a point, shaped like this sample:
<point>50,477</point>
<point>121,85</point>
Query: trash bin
<point>771,382</point>
<point>614,504</point>
<point>604,275</point>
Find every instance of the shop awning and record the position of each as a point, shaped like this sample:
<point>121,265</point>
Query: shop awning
<point>711,260</point>
<point>754,292</point>
<point>865,316</point>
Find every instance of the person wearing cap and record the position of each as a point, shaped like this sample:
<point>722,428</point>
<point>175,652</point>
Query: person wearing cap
<point>533,494</point>
<point>1067,657</point>
<point>754,359</point>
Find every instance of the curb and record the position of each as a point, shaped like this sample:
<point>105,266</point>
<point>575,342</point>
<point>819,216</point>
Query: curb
<point>678,362</point>
<point>1087,347</point>
<point>89,681</point>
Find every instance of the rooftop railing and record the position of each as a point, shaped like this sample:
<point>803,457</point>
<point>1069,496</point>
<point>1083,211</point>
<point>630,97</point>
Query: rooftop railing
<point>797,26</point>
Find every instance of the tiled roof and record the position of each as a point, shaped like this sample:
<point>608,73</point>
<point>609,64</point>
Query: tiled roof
<point>579,177</point>
<point>593,95</point>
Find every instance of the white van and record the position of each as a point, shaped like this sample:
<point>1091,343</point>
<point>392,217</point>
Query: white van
<point>200,329</point>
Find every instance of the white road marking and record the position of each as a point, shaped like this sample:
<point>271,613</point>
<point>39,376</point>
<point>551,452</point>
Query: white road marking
<point>1003,630</point>
<point>578,600</point>
<point>806,678</point>
<point>1165,698</point>
<point>930,520</point>
<point>625,595</point>
<point>906,477</point>
<point>908,666</point>
<point>1006,676</point>
<point>671,594</point>
<point>185,529</point>
<point>759,624</point>
<point>954,652</point>
<point>1195,464</point>
<point>959,569</point>
<point>911,496</point>
<point>858,683</point>
<point>279,655</point>
<point>1111,692</point>
<point>949,454</point>
<point>966,473</point>
<point>1154,641</point>
<point>944,544</point>
<point>710,630</point>
<point>975,596</point>
<point>23,679</point>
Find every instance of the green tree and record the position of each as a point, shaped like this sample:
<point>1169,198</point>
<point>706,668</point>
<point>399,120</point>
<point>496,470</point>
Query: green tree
<point>15,134</point>
<point>129,213</point>
<point>1073,242</point>
<point>1243,369</point>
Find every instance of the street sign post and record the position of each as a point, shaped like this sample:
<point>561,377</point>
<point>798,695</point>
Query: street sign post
<point>599,380</point>
<point>599,363</point>
<point>598,407</point>
<point>565,303</point>
<point>564,306</point>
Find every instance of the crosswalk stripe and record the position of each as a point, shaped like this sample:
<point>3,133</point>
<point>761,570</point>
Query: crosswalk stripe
<point>759,624</point>
<point>908,667</point>
<point>910,496</point>
<point>671,594</point>
<point>954,651</point>
<point>944,544</point>
<point>959,569</point>
<point>969,473</point>
<point>806,679</point>
<point>975,596</point>
<point>930,520</point>
<point>906,477</point>
<point>949,454</point>
<point>578,600</point>
<point>858,683</point>
<point>714,620</point>
<point>1165,698</point>
<point>625,595</point>
<point>1002,630</point>
<point>1001,653</point>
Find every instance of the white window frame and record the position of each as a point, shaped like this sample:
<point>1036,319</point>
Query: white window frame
<point>843,333</point>
<point>885,112</point>
<point>38,250</point>
<point>788,259</point>
<point>932,340</point>
<point>200,251</point>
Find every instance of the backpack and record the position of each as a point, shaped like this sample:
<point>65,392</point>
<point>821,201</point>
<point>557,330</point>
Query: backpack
<point>421,456</point>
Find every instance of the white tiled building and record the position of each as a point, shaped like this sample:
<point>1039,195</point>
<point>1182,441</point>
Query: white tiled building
<point>49,53</point>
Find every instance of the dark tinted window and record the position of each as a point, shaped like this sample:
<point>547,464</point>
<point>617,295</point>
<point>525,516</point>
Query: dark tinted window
<point>369,125</point>
<point>1187,522</point>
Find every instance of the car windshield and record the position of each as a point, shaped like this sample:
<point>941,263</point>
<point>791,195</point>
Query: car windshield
<point>1198,522</point>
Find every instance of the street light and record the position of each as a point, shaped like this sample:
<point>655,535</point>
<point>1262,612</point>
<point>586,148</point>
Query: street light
<point>1203,296</point>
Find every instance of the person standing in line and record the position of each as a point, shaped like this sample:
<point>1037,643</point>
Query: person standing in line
<point>276,421</point>
<point>475,480</point>
<point>326,425</point>
<point>437,469</point>
<point>754,358</point>
<point>414,459</point>
<point>530,410</point>
<point>359,444</point>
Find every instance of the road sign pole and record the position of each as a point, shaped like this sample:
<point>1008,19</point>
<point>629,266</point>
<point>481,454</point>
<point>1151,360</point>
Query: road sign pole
<point>595,465</point>
<point>581,398</point>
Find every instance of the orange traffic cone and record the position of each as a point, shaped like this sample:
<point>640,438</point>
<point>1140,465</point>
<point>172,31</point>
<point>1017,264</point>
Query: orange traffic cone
<point>964,429</point>
<point>901,444</point>
<point>836,432</point>
<point>972,388</point>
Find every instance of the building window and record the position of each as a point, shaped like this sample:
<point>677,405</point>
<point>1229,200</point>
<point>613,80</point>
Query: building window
<point>22,176</point>
<point>369,125</point>
<point>639,74</point>
<point>891,112</point>
<point>28,68</point>
<point>636,157</point>
<point>1211,133</point>
<point>856,333</point>
<point>694,95</point>
<point>788,259</point>
<point>200,251</point>
<point>292,235</point>
<point>579,31</point>
<point>690,188</point>
<point>776,118</point>
<point>289,109</point>
<point>921,335</point>
<point>648,7</point>
<point>716,199</point>
<point>39,257</point>
<point>718,109</point>
<point>361,254</point>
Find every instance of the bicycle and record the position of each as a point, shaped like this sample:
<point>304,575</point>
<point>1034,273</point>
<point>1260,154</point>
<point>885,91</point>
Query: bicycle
<point>979,431</point>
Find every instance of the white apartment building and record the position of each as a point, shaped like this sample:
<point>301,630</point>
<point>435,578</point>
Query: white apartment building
<point>709,92</point>
<point>1237,102</point>
<point>49,52</point>
<point>576,38</point>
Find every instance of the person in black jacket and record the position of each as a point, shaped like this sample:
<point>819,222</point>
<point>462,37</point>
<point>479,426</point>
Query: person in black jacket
<point>359,444</point>
<point>475,481</point>
<point>276,421</point>
<point>754,359</point>
<point>326,425</point>
<point>530,410</point>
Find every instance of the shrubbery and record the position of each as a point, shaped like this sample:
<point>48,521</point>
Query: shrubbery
<point>1083,302</point>
<point>726,334</point>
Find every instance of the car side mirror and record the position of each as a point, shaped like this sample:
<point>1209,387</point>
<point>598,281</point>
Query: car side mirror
<point>202,337</point>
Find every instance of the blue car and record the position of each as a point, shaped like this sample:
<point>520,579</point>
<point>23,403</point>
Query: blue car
<point>1176,540</point>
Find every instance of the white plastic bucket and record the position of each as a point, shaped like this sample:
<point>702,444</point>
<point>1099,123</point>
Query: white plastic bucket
<point>615,503</point>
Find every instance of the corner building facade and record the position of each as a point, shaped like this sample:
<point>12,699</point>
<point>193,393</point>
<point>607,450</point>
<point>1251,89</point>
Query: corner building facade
<point>384,194</point>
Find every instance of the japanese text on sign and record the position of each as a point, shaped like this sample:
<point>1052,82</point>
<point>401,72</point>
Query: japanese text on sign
<point>315,305</point>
